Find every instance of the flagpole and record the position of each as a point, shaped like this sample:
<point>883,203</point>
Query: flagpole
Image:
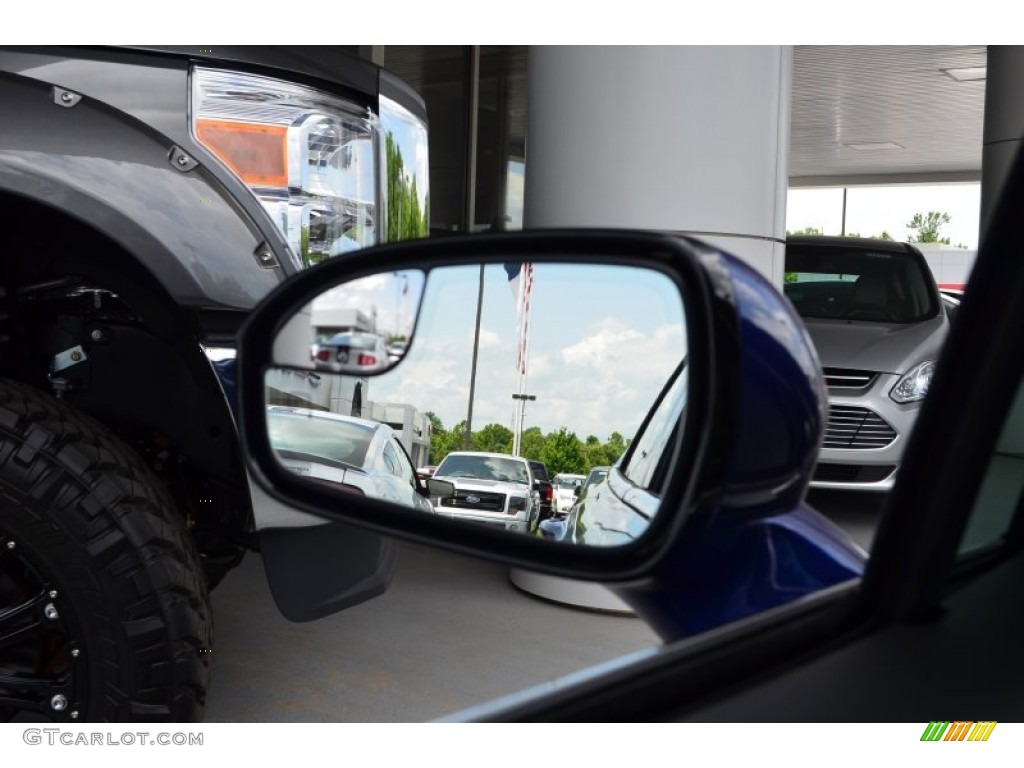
<point>467,438</point>
<point>525,289</point>
<point>470,220</point>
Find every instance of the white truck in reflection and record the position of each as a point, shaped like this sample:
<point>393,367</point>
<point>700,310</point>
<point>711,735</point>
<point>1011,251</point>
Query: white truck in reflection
<point>492,489</point>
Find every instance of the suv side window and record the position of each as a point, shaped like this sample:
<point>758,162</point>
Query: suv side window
<point>647,453</point>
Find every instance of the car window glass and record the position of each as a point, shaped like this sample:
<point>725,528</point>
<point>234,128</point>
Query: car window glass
<point>405,468</point>
<point>651,444</point>
<point>1002,489</point>
<point>391,460</point>
<point>853,284</point>
<point>484,468</point>
<point>309,432</point>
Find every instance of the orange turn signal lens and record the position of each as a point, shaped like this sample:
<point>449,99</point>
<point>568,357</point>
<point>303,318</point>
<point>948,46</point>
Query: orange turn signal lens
<point>257,153</point>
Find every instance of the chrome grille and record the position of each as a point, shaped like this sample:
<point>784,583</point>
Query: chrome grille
<point>847,378</point>
<point>477,500</point>
<point>851,426</point>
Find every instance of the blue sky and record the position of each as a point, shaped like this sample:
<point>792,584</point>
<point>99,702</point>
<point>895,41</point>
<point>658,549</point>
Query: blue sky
<point>603,341</point>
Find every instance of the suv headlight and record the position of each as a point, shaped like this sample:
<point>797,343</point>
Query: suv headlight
<point>308,156</point>
<point>913,385</point>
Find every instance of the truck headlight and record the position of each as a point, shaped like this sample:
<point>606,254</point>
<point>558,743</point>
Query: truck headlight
<point>308,156</point>
<point>913,385</point>
<point>517,504</point>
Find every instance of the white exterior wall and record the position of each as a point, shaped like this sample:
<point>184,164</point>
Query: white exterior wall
<point>950,266</point>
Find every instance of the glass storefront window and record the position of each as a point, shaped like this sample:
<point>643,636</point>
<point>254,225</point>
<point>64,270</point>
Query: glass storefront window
<point>501,138</point>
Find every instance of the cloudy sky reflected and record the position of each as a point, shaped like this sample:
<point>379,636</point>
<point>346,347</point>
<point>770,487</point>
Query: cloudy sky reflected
<point>603,341</point>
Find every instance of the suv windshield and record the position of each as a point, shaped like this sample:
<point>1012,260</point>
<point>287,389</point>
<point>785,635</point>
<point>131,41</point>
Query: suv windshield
<point>846,283</point>
<point>484,468</point>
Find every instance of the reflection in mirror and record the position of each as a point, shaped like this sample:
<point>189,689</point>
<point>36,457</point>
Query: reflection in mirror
<point>569,359</point>
<point>405,155</point>
<point>362,326</point>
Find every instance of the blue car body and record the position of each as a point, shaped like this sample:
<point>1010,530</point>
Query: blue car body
<point>756,545</point>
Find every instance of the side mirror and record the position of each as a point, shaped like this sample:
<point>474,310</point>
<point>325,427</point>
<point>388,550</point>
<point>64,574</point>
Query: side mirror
<point>577,491</point>
<point>357,327</point>
<point>604,321</point>
<point>687,352</point>
<point>437,488</point>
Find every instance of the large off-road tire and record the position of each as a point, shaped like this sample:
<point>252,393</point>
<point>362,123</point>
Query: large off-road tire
<point>104,611</point>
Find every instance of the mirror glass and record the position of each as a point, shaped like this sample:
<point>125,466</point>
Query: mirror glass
<point>511,392</point>
<point>360,327</point>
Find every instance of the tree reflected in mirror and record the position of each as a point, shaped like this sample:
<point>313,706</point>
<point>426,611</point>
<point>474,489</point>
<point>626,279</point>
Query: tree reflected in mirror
<point>556,378</point>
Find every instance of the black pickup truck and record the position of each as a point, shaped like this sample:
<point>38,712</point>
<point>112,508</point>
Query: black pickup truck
<point>150,198</point>
<point>542,482</point>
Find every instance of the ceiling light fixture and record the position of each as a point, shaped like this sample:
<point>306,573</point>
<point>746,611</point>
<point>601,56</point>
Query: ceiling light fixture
<point>870,146</point>
<point>966,74</point>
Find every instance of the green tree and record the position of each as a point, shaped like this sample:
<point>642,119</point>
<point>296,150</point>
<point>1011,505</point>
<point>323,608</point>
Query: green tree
<point>593,452</point>
<point>494,438</point>
<point>406,219</point>
<point>563,452</point>
<point>435,422</point>
<point>615,447</point>
<point>458,438</point>
<point>444,441</point>
<point>927,227</point>
<point>595,456</point>
<point>805,231</point>
<point>531,443</point>
<point>883,236</point>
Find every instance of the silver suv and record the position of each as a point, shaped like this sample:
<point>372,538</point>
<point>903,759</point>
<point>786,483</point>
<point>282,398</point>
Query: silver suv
<point>876,318</point>
<point>490,488</point>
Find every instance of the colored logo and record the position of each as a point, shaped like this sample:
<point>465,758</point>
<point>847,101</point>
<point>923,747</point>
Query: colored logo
<point>958,731</point>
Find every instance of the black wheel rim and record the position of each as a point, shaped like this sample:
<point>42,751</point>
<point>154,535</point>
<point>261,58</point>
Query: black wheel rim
<point>40,645</point>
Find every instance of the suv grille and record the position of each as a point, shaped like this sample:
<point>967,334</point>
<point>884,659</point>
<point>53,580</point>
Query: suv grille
<point>851,426</point>
<point>478,500</point>
<point>847,378</point>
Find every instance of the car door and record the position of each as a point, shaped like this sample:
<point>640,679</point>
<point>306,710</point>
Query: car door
<point>620,509</point>
<point>934,626</point>
<point>826,629</point>
<point>408,484</point>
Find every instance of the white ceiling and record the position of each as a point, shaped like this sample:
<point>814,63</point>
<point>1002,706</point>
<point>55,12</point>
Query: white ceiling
<point>854,94</point>
<point>841,95</point>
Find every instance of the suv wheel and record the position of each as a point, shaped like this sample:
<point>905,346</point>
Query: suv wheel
<point>104,613</point>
